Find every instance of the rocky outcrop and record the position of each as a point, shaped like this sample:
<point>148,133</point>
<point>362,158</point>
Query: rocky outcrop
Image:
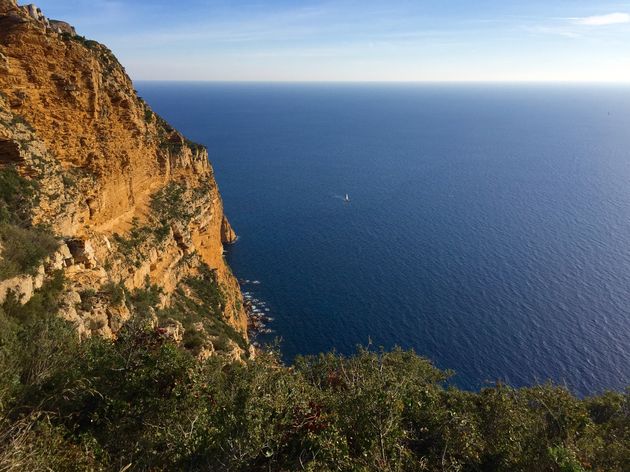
<point>62,27</point>
<point>33,12</point>
<point>228,235</point>
<point>22,287</point>
<point>109,170</point>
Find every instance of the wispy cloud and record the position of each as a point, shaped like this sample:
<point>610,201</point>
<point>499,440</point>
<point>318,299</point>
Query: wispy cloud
<point>574,27</point>
<point>555,30</point>
<point>603,20</point>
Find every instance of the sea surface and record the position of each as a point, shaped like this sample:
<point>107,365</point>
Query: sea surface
<point>488,226</point>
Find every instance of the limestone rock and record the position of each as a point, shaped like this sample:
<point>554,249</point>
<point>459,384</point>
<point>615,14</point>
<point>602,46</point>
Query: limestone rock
<point>4,64</point>
<point>38,278</point>
<point>234,352</point>
<point>72,298</point>
<point>62,27</point>
<point>118,316</point>
<point>69,313</point>
<point>82,252</point>
<point>60,259</point>
<point>71,119</point>
<point>22,287</point>
<point>182,236</point>
<point>97,322</point>
<point>206,351</point>
<point>174,330</point>
<point>228,235</point>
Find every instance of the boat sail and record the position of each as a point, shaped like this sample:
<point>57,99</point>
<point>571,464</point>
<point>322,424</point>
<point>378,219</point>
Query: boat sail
<point>347,199</point>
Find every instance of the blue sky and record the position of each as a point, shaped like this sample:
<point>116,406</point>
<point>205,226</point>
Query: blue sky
<point>359,40</point>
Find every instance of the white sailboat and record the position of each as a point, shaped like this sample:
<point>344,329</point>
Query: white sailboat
<point>347,198</point>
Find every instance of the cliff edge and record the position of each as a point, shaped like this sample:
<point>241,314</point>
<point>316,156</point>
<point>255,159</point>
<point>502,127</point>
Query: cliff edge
<point>132,203</point>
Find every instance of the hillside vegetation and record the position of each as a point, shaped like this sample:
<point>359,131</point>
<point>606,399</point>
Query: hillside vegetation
<point>141,402</point>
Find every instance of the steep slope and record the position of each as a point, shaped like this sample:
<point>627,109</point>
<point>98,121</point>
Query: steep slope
<point>133,202</point>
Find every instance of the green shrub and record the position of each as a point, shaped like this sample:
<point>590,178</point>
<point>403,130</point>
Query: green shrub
<point>23,250</point>
<point>17,196</point>
<point>129,245</point>
<point>139,402</point>
<point>87,299</point>
<point>144,300</point>
<point>193,340</point>
<point>202,302</point>
<point>116,293</point>
<point>32,340</point>
<point>168,204</point>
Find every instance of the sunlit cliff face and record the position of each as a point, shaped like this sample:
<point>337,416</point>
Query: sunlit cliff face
<point>71,120</point>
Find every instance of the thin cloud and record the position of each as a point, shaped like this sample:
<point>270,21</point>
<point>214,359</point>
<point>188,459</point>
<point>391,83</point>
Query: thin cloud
<point>603,20</point>
<point>554,30</point>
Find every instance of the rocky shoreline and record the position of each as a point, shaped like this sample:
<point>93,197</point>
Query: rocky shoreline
<point>258,313</point>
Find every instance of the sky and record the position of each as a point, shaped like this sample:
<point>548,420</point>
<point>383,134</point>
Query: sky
<point>359,40</point>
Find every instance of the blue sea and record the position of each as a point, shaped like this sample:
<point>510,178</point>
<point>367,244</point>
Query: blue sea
<point>488,226</point>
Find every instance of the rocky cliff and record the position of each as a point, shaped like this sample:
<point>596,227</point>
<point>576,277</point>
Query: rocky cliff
<point>132,202</point>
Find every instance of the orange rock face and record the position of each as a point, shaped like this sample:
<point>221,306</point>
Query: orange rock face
<point>70,118</point>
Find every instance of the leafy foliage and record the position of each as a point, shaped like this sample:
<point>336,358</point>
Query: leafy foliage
<point>115,292</point>
<point>148,115</point>
<point>17,195</point>
<point>200,301</point>
<point>88,43</point>
<point>143,403</point>
<point>130,244</point>
<point>140,402</point>
<point>22,247</point>
<point>168,206</point>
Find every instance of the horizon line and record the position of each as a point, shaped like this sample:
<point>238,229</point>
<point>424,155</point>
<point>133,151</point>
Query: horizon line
<point>402,82</point>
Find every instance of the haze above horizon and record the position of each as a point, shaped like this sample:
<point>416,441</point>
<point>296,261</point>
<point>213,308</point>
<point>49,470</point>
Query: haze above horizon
<point>352,40</point>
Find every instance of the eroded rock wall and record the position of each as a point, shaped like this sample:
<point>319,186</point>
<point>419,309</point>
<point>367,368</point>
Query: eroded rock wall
<point>71,120</point>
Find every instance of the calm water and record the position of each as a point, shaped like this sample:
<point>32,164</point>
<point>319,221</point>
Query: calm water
<point>488,228</point>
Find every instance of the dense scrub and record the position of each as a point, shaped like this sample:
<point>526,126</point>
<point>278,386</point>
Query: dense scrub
<point>22,247</point>
<point>17,195</point>
<point>198,305</point>
<point>142,403</point>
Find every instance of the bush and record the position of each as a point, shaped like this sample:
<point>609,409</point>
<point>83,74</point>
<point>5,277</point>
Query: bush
<point>139,402</point>
<point>202,302</point>
<point>116,293</point>
<point>148,115</point>
<point>87,299</point>
<point>23,250</point>
<point>22,247</point>
<point>129,246</point>
<point>17,195</point>
<point>168,206</point>
<point>31,340</point>
<point>144,300</point>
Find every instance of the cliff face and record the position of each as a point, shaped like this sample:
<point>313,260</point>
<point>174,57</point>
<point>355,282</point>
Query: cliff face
<point>132,199</point>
